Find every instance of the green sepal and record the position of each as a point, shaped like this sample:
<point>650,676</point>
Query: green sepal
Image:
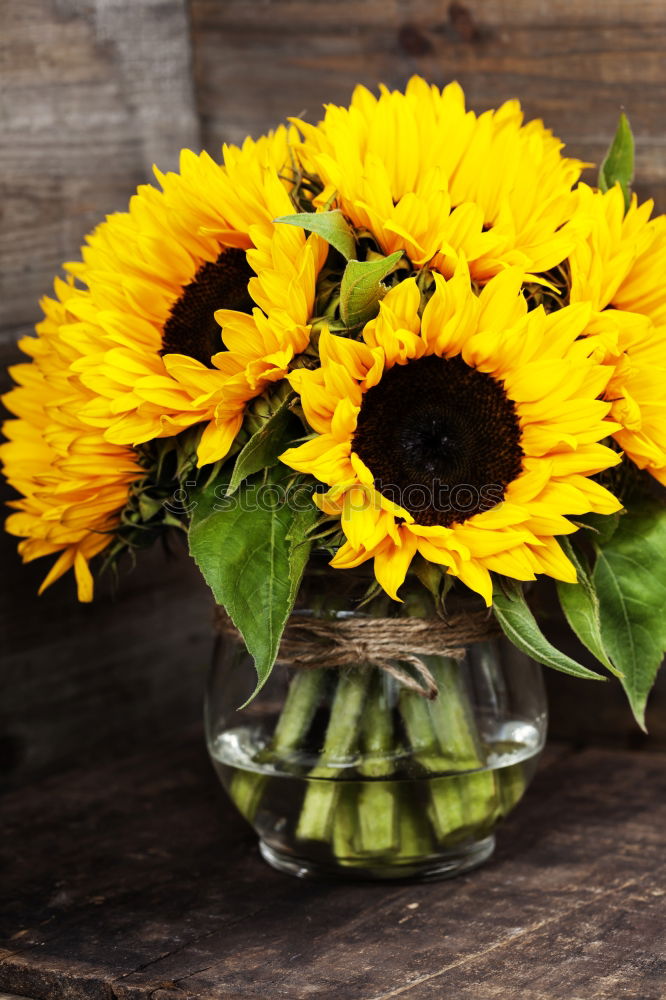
<point>149,506</point>
<point>431,575</point>
<point>601,526</point>
<point>331,226</point>
<point>618,164</point>
<point>362,290</point>
<point>520,627</point>
<point>265,445</point>
<point>252,549</point>
<point>630,581</point>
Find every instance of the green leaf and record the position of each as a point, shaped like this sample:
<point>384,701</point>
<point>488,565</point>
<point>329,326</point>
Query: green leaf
<point>580,605</point>
<point>618,164</point>
<point>520,626</point>
<point>252,549</point>
<point>264,446</point>
<point>361,289</point>
<point>332,226</point>
<point>630,581</point>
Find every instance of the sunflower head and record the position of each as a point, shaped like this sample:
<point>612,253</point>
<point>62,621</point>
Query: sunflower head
<point>426,176</point>
<point>456,426</point>
<point>73,483</point>
<point>131,348</point>
<point>619,269</point>
<point>466,431</point>
<point>154,277</point>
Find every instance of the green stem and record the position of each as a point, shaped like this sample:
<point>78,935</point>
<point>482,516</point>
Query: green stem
<point>314,822</point>
<point>377,737</point>
<point>377,819</point>
<point>377,814</point>
<point>512,785</point>
<point>452,716</point>
<point>341,738</point>
<point>299,709</point>
<point>421,732</point>
<point>455,725</point>
<point>344,827</point>
<point>445,809</point>
<point>247,787</point>
<point>246,790</point>
<point>413,831</point>
<point>480,799</point>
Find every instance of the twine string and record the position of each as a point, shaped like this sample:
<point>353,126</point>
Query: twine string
<point>385,643</point>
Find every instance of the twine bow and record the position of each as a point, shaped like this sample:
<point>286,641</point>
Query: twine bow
<point>385,643</point>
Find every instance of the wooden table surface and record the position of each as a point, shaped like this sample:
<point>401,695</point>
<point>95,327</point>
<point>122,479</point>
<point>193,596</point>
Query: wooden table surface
<point>135,879</point>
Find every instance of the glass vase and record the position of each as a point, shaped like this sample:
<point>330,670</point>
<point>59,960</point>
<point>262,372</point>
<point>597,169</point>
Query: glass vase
<point>344,772</point>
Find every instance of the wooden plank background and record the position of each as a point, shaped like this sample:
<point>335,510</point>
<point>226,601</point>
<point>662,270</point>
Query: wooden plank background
<point>92,93</point>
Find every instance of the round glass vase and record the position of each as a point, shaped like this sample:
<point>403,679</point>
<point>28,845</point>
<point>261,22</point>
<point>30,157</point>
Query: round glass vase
<point>346,773</point>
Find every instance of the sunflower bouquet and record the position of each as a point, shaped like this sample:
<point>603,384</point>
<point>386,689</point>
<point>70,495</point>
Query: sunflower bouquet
<point>408,340</point>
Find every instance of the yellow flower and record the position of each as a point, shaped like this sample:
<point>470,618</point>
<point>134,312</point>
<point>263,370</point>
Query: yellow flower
<point>620,269</point>
<point>73,482</point>
<point>426,176</point>
<point>145,332</point>
<point>467,435</point>
<point>259,347</point>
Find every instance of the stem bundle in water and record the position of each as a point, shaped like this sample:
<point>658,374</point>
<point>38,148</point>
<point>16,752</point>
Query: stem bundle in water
<point>397,776</point>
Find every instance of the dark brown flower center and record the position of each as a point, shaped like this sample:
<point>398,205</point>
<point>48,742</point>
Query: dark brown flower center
<point>191,327</point>
<point>440,438</point>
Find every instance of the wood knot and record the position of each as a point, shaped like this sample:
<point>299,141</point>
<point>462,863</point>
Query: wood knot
<point>413,41</point>
<point>463,24</point>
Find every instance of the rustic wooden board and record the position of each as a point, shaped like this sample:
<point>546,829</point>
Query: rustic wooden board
<point>136,880</point>
<point>93,93</point>
<point>575,64</point>
<point>122,672</point>
<point>585,713</point>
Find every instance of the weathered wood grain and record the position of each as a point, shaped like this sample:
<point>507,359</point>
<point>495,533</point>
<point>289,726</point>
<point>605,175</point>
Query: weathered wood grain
<point>573,64</point>
<point>93,93</point>
<point>586,713</point>
<point>121,672</point>
<point>136,880</point>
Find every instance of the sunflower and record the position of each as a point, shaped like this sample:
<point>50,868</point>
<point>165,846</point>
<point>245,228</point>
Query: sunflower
<point>144,327</point>
<point>426,176</point>
<point>73,483</point>
<point>467,435</point>
<point>620,269</point>
<point>259,346</point>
